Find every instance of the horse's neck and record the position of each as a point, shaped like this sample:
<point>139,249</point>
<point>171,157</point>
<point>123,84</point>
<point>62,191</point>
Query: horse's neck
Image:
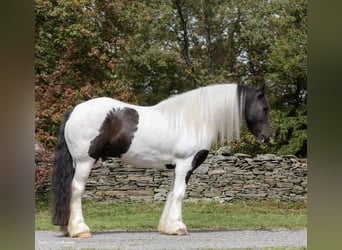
<point>244,96</point>
<point>205,113</point>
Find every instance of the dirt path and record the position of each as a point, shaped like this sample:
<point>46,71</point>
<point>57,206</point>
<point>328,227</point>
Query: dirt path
<point>152,240</point>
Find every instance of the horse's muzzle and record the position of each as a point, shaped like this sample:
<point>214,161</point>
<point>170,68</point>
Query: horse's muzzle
<point>263,139</point>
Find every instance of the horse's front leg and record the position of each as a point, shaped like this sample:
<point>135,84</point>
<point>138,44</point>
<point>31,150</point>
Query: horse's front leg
<point>171,219</point>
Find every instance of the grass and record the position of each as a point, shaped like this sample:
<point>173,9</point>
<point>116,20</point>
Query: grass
<point>239,214</point>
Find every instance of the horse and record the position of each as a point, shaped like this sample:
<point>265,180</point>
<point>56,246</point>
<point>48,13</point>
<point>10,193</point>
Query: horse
<point>176,133</point>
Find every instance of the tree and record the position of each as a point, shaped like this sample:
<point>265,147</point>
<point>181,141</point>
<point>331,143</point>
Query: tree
<point>288,57</point>
<point>75,58</point>
<point>144,51</point>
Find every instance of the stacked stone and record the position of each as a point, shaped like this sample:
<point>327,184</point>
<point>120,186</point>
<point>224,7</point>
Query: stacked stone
<point>240,175</point>
<point>221,177</point>
<point>114,180</point>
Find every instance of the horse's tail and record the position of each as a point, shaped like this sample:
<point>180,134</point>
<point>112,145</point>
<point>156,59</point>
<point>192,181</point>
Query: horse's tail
<point>62,175</point>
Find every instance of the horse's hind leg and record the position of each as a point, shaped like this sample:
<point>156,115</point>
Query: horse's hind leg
<point>76,226</point>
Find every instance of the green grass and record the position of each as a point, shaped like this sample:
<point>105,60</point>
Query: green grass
<point>239,214</point>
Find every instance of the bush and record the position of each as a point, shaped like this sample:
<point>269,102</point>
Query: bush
<point>289,136</point>
<point>290,132</point>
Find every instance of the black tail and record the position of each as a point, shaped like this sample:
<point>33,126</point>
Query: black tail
<point>62,175</point>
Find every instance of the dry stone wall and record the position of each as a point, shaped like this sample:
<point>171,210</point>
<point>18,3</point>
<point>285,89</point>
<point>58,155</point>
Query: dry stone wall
<point>221,177</point>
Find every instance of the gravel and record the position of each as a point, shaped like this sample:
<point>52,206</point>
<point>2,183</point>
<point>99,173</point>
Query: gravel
<point>197,239</point>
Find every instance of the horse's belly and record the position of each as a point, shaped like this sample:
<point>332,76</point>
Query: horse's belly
<point>150,153</point>
<point>145,163</point>
<point>160,151</point>
<point>156,145</point>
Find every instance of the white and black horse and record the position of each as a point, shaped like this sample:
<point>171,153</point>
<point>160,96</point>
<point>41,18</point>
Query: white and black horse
<point>177,133</point>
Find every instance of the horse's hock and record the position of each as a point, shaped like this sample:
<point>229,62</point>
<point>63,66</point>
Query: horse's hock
<point>221,177</point>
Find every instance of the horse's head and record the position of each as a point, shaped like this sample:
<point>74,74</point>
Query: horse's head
<point>256,113</point>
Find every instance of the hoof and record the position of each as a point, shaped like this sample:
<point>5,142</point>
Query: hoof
<point>181,232</point>
<point>64,230</point>
<point>84,235</point>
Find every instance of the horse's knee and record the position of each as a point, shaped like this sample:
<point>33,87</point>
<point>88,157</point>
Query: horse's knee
<point>178,194</point>
<point>82,171</point>
<point>77,188</point>
<point>179,188</point>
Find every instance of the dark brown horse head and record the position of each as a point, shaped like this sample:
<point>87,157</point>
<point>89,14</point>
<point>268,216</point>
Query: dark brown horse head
<point>255,110</point>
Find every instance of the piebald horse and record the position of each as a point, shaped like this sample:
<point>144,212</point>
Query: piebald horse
<point>176,133</point>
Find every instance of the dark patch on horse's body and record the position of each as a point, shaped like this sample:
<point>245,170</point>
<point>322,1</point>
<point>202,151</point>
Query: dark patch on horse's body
<point>196,162</point>
<point>116,134</point>
<point>170,166</point>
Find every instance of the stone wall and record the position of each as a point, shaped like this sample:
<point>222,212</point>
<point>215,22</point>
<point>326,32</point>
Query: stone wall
<point>221,177</point>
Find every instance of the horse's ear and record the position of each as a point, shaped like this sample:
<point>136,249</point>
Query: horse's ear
<point>261,92</point>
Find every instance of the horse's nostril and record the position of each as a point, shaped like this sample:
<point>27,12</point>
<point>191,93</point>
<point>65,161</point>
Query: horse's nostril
<point>263,138</point>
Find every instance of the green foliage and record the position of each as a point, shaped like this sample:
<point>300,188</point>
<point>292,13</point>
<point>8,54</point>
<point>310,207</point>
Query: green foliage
<point>287,66</point>
<point>291,133</point>
<point>248,144</point>
<point>143,51</point>
<point>289,136</point>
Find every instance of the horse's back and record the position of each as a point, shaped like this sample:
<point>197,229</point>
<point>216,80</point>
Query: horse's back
<point>98,105</point>
<point>92,112</point>
<point>154,142</point>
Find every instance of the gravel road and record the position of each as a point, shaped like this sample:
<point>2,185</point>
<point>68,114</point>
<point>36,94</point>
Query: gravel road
<point>197,239</point>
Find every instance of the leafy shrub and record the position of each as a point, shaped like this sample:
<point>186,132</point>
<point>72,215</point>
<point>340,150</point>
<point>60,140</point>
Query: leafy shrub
<point>290,132</point>
<point>289,136</point>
